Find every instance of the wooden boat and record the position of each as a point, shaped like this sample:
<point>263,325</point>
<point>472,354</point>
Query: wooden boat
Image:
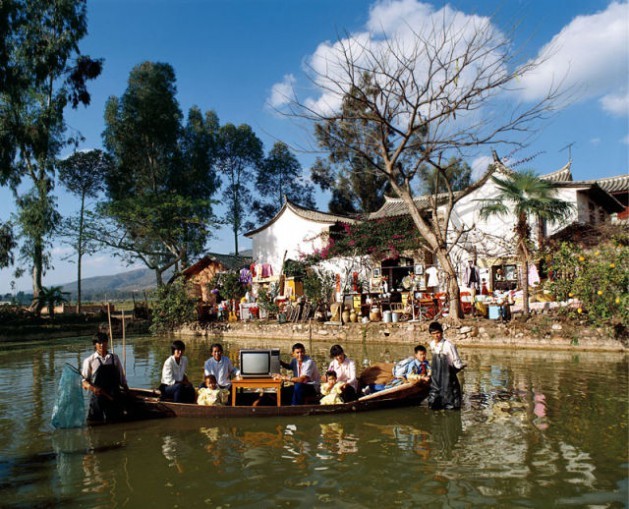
<point>149,405</point>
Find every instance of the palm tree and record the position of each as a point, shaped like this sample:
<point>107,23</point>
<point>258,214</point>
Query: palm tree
<point>51,297</point>
<point>524,194</point>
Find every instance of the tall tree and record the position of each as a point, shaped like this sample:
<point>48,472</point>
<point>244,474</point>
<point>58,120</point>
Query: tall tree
<point>160,185</point>
<point>239,152</point>
<point>525,195</point>
<point>7,245</point>
<point>83,174</point>
<point>457,174</point>
<point>419,97</point>
<point>43,73</point>
<point>354,181</point>
<point>280,178</point>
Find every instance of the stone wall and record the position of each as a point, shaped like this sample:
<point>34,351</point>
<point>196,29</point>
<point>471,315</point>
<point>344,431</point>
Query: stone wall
<point>484,333</point>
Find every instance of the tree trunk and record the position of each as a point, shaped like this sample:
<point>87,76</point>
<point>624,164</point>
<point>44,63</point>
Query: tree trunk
<point>455,313</point>
<point>37,305</point>
<point>158,277</point>
<point>79,256</point>
<point>525,286</point>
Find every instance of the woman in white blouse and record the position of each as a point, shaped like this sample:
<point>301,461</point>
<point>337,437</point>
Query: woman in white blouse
<point>175,384</point>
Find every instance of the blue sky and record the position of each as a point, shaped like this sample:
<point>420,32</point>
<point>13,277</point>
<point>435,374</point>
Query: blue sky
<point>231,55</point>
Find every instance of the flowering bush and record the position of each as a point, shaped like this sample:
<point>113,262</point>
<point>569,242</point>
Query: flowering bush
<point>598,278</point>
<point>381,238</point>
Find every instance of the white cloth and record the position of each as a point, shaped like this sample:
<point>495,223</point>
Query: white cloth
<point>431,274</point>
<point>448,349</point>
<point>173,372</point>
<point>345,372</point>
<point>93,362</point>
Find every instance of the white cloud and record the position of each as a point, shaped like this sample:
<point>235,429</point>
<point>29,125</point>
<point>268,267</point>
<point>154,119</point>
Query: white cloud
<point>62,251</point>
<point>595,141</point>
<point>625,140</point>
<point>397,23</point>
<point>616,104</point>
<point>479,166</point>
<point>589,58</point>
<point>282,93</point>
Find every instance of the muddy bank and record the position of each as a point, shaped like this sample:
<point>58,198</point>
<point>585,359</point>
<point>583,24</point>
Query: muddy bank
<point>544,333</point>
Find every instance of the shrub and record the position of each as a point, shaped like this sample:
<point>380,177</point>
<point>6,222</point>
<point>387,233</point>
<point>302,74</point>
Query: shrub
<point>598,278</point>
<point>173,307</point>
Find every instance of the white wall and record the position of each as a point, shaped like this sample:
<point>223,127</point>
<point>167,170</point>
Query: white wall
<point>290,233</point>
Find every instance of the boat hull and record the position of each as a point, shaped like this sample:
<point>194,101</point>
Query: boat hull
<point>405,395</point>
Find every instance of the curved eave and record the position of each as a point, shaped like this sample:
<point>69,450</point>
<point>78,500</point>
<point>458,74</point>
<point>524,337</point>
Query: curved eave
<point>311,215</point>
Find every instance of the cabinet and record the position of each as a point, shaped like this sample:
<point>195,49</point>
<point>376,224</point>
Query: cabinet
<point>504,277</point>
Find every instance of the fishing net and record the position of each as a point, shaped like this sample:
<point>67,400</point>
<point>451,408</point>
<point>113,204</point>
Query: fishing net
<point>69,409</point>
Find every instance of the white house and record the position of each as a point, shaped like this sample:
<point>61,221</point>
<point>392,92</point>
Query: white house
<point>295,231</point>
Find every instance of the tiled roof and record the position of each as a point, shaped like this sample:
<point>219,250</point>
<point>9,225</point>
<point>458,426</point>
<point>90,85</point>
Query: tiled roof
<point>231,262</point>
<point>394,207</point>
<point>311,215</point>
<point>617,184</point>
<point>562,175</point>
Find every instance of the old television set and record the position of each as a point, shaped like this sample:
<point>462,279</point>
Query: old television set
<point>259,363</point>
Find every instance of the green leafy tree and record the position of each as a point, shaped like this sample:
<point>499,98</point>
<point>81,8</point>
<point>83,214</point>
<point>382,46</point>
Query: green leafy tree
<point>43,72</point>
<point>457,174</point>
<point>52,296</point>
<point>160,186</point>
<point>350,171</point>
<point>239,153</point>
<point>173,307</point>
<point>279,177</point>
<point>83,174</point>
<point>525,195</point>
<point>7,245</point>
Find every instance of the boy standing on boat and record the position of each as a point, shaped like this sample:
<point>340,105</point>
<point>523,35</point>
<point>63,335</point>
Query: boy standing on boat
<point>305,375</point>
<point>445,390</point>
<point>104,377</point>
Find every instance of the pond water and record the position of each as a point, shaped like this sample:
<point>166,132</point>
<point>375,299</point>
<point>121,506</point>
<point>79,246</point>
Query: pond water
<point>537,429</point>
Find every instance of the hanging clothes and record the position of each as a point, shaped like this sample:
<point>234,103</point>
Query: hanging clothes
<point>433,277</point>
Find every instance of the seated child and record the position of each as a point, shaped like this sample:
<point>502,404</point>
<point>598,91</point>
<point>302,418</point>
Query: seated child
<point>210,394</point>
<point>419,369</point>
<point>331,390</point>
<point>411,369</point>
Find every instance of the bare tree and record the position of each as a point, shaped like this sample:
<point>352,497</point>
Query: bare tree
<point>441,91</point>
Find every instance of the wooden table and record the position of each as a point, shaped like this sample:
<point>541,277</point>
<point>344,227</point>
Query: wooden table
<point>257,383</point>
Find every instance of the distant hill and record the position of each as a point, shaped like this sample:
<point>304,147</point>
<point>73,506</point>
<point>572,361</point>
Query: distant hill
<point>122,285</point>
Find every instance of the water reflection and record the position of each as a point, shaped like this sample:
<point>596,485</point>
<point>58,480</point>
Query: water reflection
<point>535,429</point>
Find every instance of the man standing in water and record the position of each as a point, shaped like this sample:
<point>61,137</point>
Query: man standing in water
<point>104,377</point>
<point>445,390</point>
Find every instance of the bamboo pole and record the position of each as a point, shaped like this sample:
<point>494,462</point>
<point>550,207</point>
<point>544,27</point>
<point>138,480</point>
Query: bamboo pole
<point>124,344</point>
<point>111,336</point>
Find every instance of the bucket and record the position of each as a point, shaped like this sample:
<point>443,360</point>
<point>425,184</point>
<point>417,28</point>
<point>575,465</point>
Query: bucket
<point>395,317</point>
<point>494,313</point>
<point>386,316</point>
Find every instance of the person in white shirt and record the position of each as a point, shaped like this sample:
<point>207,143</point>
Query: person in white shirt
<point>104,377</point>
<point>345,370</point>
<point>221,367</point>
<point>175,384</point>
<point>445,390</point>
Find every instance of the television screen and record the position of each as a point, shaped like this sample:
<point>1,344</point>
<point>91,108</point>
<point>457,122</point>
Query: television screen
<point>259,362</point>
